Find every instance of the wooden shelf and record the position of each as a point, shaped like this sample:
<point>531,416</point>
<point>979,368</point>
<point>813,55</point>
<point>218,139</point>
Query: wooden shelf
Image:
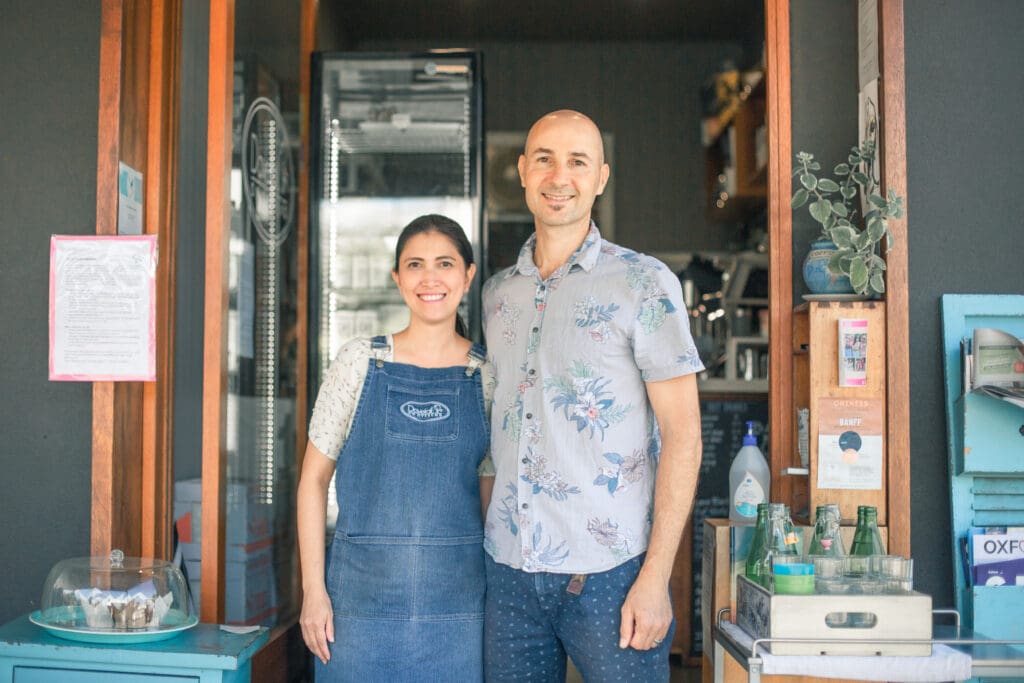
<point>816,379</point>
<point>730,153</point>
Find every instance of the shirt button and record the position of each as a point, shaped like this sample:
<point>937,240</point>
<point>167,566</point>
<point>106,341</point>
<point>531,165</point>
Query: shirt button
<point>536,329</point>
<point>526,505</point>
<point>526,461</point>
<point>529,416</point>
<point>532,371</point>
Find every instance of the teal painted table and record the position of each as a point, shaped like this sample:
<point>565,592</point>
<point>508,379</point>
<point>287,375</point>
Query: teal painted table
<point>203,654</point>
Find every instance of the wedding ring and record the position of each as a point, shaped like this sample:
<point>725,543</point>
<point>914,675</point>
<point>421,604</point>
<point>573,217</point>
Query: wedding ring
<point>658,641</point>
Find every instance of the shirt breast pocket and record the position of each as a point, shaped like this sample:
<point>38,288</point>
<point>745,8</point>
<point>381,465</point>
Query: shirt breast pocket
<point>428,415</point>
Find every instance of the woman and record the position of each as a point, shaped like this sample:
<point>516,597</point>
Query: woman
<point>403,417</point>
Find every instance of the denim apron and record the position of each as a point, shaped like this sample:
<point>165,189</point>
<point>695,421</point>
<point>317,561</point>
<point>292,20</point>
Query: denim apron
<point>406,574</point>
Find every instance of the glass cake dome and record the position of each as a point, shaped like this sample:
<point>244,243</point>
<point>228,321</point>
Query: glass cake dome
<point>100,599</point>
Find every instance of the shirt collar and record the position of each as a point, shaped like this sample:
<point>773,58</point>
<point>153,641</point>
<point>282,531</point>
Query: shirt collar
<point>585,256</point>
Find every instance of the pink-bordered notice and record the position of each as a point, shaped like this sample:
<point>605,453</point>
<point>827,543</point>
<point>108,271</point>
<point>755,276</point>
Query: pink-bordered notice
<point>103,308</point>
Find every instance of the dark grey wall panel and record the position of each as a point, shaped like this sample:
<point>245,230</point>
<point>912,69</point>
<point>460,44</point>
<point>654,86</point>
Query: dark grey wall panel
<point>50,87</point>
<point>648,96</point>
<point>823,63</point>
<point>191,254</point>
<point>965,95</point>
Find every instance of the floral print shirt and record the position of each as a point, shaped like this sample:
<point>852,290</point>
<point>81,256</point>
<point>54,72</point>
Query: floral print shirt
<point>574,440</point>
<point>339,394</point>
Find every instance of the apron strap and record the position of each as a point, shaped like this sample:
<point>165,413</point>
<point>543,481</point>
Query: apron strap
<point>476,358</point>
<point>379,348</point>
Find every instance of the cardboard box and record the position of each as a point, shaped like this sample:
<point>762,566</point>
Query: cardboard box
<point>250,594</point>
<point>825,618</point>
<point>247,520</point>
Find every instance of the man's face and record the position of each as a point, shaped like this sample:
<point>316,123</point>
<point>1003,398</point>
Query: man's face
<point>562,171</point>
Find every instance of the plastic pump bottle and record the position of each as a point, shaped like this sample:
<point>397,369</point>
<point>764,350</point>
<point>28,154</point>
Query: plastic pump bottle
<point>749,480</point>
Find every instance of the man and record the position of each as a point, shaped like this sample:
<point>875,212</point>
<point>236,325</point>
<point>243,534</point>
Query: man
<point>595,433</point>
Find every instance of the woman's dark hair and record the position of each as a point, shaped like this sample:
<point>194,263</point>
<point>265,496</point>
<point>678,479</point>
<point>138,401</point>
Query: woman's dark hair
<point>444,226</point>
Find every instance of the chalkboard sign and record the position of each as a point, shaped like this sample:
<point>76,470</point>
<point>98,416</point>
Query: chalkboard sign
<point>723,424</point>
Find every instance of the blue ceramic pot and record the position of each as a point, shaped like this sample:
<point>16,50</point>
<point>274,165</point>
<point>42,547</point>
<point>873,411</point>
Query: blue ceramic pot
<point>816,274</point>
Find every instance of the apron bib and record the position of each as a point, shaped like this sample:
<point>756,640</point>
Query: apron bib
<point>406,570</point>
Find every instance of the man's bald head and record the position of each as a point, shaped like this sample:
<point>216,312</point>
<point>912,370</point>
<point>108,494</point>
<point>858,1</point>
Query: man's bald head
<point>570,119</point>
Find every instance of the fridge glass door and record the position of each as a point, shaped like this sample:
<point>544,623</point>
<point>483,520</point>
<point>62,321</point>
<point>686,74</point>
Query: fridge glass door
<point>398,136</point>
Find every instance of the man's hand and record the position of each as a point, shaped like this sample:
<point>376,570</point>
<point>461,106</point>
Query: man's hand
<point>646,614</point>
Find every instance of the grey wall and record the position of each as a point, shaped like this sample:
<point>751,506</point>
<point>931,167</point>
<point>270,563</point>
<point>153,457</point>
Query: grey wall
<point>823,63</point>
<point>965,95</point>
<point>49,80</point>
<point>191,249</point>
<point>648,96</point>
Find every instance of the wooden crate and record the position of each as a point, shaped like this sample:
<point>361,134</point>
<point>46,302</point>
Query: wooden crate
<point>720,567</point>
<point>764,614</point>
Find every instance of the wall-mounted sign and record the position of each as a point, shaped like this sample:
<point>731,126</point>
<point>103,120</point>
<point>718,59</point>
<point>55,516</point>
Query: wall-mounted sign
<point>850,443</point>
<point>102,308</point>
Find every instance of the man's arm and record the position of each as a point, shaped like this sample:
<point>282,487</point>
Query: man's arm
<point>647,610</point>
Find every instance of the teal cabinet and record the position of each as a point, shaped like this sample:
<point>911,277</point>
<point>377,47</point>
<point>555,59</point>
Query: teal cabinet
<point>203,654</point>
<point>986,460</point>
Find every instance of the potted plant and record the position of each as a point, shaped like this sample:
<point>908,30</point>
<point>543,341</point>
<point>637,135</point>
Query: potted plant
<point>852,259</point>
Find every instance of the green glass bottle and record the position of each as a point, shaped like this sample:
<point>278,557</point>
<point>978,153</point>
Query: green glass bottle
<point>826,539</point>
<point>867,540</point>
<point>756,568</point>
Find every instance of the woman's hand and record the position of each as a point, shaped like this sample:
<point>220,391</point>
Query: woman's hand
<point>317,621</point>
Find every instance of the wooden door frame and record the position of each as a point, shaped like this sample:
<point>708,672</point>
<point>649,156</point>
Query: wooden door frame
<point>893,159</point>
<point>137,124</point>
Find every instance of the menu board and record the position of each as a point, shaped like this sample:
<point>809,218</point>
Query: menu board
<point>723,424</point>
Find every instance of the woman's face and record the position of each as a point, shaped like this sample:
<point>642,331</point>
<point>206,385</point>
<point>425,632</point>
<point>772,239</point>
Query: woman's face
<point>432,277</point>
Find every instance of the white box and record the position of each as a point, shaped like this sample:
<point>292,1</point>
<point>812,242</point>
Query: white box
<point>247,520</point>
<point>250,596</point>
<point>907,616</point>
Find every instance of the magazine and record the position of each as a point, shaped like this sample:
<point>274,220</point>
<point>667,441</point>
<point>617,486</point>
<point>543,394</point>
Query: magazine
<point>994,365</point>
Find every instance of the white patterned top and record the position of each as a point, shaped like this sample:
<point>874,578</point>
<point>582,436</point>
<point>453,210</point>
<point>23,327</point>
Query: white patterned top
<point>336,402</point>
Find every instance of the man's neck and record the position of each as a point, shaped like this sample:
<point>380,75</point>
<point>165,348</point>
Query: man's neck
<point>555,246</point>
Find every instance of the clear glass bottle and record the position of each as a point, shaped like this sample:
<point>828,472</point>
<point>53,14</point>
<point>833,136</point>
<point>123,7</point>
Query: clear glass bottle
<point>757,567</point>
<point>826,539</point>
<point>789,535</point>
<point>867,540</point>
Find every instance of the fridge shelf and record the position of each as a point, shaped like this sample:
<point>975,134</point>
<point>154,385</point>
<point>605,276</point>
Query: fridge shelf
<point>374,137</point>
<point>381,295</point>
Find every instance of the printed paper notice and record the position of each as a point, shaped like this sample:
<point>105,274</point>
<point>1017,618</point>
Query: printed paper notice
<point>850,443</point>
<point>102,308</point>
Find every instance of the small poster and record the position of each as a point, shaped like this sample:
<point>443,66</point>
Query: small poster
<point>103,308</point>
<point>867,41</point>
<point>850,443</point>
<point>129,200</point>
<point>853,352</point>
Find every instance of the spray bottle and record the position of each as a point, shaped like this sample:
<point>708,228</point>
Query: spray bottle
<point>749,480</point>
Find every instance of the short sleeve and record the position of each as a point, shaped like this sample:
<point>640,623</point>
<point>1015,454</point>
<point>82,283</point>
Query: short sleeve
<point>338,397</point>
<point>663,345</point>
<point>488,380</point>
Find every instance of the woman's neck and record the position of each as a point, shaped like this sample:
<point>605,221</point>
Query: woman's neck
<point>430,346</point>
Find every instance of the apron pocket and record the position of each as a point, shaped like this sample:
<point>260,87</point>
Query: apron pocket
<point>403,578</point>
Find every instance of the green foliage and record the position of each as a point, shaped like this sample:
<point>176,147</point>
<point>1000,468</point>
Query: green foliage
<point>834,204</point>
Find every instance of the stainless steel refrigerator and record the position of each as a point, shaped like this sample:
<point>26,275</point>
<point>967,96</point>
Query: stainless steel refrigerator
<point>393,136</point>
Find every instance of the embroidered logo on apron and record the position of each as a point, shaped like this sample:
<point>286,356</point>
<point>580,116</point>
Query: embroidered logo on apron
<point>431,411</point>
